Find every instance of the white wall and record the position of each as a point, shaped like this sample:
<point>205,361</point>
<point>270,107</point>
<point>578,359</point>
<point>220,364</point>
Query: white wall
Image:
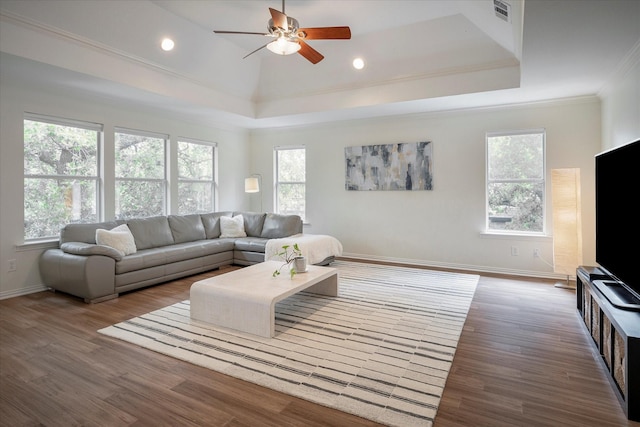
<point>443,227</point>
<point>621,104</point>
<point>233,164</point>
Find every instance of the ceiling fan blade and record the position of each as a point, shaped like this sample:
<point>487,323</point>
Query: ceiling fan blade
<point>279,19</point>
<point>324,33</point>
<point>251,53</point>
<point>310,53</point>
<point>240,32</point>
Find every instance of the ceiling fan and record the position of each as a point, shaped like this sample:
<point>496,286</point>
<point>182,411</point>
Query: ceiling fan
<point>290,38</point>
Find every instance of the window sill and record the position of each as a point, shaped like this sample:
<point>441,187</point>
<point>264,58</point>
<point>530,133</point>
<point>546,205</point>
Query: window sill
<point>38,245</point>
<point>491,234</point>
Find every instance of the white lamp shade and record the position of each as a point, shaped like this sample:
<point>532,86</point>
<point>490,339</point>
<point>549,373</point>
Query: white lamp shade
<point>567,220</point>
<point>282,46</point>
<point>251,185</point>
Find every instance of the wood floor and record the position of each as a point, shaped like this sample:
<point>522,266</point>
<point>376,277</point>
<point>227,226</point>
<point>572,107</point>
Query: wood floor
<point>524,359</point>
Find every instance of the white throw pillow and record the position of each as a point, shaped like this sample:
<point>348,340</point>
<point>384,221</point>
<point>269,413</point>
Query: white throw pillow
<point>119,238</point>
<point>232,226</point>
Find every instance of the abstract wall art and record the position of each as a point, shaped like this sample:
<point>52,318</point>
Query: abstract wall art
<point>403,166</point>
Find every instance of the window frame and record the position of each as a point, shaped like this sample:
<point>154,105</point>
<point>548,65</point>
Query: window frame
<point>278,182</point>
<point>213,181</point>
<point>96,179</point>
<point>542,181</point>
<point>164,180</point>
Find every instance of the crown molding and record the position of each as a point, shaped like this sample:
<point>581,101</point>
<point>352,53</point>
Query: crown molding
<point>631,61</point>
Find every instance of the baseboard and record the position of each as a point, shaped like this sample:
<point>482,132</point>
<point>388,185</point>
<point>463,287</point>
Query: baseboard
<point>565,285</point>
<point>475,269</point>
<point>23,291</point>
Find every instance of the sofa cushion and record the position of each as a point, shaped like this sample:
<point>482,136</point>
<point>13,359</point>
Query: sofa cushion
<point>152,232</point>
<point>85,233</point>
<point>277,226</point>
<point>211,223</point>
<point>253,223</point>
<point>118,238</point>
<point>232,226</point>
<point>251,244</point>
<point>186,228</point>
<point>169,254</point>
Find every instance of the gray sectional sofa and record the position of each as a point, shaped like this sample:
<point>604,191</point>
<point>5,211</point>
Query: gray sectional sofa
<point>167,248</point>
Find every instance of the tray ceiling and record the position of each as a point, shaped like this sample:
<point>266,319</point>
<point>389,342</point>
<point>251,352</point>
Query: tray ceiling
<point>419,55</point>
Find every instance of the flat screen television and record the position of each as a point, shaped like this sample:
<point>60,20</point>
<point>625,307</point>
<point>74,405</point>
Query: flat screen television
<point>618,220</point>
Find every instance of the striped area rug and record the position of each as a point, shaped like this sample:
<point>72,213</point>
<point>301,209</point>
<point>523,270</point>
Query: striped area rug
<point>381,350</point>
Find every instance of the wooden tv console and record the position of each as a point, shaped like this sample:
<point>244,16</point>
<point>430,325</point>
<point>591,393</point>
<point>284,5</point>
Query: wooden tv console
<point>616,336</point>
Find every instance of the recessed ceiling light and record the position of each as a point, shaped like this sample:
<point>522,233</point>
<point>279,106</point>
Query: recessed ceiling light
<point>358,63</point>
<point>167,44</point>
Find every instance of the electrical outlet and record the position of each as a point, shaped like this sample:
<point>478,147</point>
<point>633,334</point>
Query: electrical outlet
<point>536,253</point>
<point>514,251</point>
<point>12,265</point>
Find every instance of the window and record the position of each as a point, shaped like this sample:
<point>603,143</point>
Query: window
<point>515,181</point>
<point>140,174</point>
<point>61,173</point>
<point>290,181</point>
<point>195,177</point>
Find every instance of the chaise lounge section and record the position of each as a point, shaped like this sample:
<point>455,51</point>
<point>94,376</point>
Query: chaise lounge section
<point>166,248</point>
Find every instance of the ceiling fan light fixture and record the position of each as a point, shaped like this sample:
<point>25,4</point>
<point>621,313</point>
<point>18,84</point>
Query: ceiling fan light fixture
<point>282,46</point>
<point>289,38</point>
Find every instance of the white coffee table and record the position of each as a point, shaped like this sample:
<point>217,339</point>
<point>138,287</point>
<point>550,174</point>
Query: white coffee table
<point>245,299</point>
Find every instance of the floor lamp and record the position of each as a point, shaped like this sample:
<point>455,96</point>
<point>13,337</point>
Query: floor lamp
<point>567,223</point>
<point>253,184</point>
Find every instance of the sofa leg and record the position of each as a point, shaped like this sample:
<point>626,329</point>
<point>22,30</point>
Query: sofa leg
<point>101,299</point>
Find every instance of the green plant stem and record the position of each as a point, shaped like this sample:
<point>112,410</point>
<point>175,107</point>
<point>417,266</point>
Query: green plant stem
<point>288,256</point>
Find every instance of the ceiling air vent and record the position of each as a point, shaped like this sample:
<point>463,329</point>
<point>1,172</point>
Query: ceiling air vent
<point>502,10</point>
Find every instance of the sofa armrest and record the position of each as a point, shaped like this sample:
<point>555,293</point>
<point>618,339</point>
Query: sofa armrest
<point>80,248</point>
<point>90,277</point>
